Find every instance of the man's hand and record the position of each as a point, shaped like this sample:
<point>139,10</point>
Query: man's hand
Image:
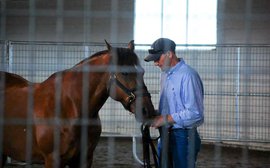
<point>161,120</point>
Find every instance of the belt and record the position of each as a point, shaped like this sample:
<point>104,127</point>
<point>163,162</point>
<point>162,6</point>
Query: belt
<point>171,129</point>
<point>174,129</point>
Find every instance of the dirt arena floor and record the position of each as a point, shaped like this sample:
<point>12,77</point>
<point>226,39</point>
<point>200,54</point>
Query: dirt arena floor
<point>117,153</point>
<point>210,156</point>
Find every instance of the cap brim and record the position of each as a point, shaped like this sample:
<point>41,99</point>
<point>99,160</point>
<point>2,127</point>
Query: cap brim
<point>152,57</point>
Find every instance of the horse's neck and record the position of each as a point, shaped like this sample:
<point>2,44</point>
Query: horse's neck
<point>80,89</point>
<point>87,85</point>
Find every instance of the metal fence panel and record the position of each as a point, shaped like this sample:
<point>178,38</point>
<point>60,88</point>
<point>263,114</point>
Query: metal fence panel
<point>236,81</point>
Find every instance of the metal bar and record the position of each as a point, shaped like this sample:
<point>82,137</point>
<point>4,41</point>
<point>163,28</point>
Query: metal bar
<point>3,20</point>
<point>187,21</point>
<point>237,94</point>
<point>134,151</point>
<point>162,18</point>
<point>123,44</point>
<point>30,96</point>
<point>10,57</point>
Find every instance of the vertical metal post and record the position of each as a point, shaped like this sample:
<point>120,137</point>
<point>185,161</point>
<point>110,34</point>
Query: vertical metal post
<point>237,95</point>
<point>86,51</point>
<point>187,20</point>
<point>58,83</point>
<point>10,56</point>
<point>31,70</point>
<point>87,20</point>
<point>114,18</point>
<point>114,37</point>
<point>247,79</point>
<point>85,108</point>
<point>162,15</point>
<point>4,57</point>
<point>59,20</point>
<point>84,118</point>
<point>3,20</point>
<point>2,86</point>
<point>2,68</point>
<point>219,107</point>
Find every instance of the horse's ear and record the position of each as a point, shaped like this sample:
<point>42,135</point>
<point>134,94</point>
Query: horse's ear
<point>131,45</point>
<point>109,47</point>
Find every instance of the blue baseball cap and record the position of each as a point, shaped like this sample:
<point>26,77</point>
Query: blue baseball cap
<point>159,47</point>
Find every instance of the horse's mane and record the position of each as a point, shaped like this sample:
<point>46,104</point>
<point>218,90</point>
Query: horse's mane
<point>92,56</point>
<point>124,56</point>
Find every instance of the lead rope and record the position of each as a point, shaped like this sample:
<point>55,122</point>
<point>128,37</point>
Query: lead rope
<point>148,143</point>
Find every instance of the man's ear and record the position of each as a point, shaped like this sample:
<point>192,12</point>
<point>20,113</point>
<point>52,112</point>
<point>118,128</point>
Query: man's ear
<point>169,54</point>
<point>131,45</point>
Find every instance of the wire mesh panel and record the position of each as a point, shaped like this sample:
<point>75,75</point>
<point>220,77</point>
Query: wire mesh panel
<point>236,81</point>
<point>43,59</point>
<point>236,85</point>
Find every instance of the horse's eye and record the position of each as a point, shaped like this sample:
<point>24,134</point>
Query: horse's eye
<point>124,73</point>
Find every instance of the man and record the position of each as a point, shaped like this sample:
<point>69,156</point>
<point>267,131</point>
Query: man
<point>181,106</point>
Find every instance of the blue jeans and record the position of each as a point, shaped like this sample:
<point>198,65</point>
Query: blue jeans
<point>183,147</point>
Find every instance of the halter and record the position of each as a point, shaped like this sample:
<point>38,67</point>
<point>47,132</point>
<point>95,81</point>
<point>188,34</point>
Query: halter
<point>146,137</point>
<point>148,145</point>
<point>130,92</point>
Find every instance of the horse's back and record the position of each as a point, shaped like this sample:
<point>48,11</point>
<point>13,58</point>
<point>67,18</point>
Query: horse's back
<point>15,89</point>
<point>15,108</point>
<point>9,80</point>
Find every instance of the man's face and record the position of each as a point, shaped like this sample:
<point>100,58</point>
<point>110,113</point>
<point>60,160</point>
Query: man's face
<point>164,62</point>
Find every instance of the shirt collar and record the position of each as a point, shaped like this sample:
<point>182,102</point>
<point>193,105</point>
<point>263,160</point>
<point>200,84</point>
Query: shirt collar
<point>176,67</point>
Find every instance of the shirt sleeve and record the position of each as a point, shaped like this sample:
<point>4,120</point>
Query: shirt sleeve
<point>191,95</point>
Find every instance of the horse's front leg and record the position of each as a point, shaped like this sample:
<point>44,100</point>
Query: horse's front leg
<point>52,162</point>
<point>3,161</point>
<point>90,158</point>
<point>78,162</point>
<point>74,162</point>
<point>94,131</point>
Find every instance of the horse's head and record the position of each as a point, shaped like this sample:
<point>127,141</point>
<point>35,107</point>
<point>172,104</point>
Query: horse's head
<point>126,83</point>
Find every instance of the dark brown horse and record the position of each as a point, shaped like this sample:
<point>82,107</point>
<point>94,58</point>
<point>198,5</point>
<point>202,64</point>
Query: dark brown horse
<point>56,122</point>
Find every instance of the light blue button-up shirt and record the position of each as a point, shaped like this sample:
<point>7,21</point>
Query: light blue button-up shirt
<point>182,96</point>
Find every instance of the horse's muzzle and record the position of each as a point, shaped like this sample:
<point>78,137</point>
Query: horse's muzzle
<point>144,116</point>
